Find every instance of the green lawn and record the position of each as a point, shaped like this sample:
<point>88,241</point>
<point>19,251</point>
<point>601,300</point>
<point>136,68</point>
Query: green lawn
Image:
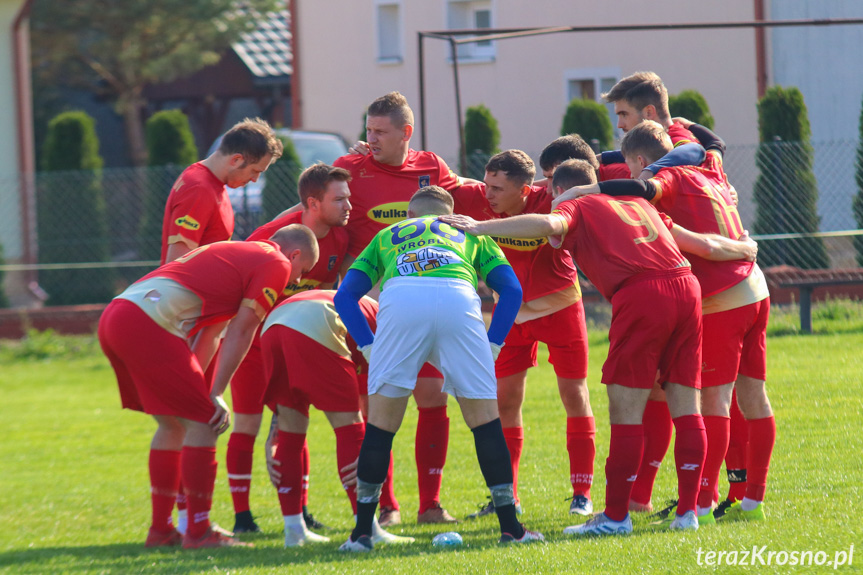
<point>74,489</point>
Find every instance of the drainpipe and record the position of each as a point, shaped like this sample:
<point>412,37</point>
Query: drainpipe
<point>296,103</point>
<point>760,50</point>
<point>26,153</point>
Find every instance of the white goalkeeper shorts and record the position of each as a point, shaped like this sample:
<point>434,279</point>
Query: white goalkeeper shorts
<point>435,320</point>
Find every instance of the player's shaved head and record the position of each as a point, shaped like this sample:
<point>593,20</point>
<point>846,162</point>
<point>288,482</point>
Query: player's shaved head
<point>430,201</point>
<point>573,173</point>
<point>569,147</point>
<point>648,140</point>
<point>297,237</point>
<point>395,106</point>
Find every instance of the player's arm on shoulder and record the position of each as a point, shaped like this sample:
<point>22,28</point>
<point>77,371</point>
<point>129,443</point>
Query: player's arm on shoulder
<point>292,210</point>
<point>715,247</point>
<point>691,154</point>
<point>523,226</point>
<point>179,249</point>
<point>573,193</point>
<point>502,279</point>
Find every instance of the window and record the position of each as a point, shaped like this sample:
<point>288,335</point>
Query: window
<point>472,14</point>
<point>591,84</point>
<point>389,31</point>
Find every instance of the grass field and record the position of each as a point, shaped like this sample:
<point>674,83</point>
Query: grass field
<point>75,495</point>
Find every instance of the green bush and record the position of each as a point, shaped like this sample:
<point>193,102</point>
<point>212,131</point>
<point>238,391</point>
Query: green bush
<point>858,199</point>
<point>786,193</point>
<point>170,149</point>
<point>690,104</point>
<point>71,212</point>
<point>281,193</point>
<point>590,120</point>
<point>481,139</point>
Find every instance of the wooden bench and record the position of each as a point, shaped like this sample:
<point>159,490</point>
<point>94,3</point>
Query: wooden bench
<point>805,286</point>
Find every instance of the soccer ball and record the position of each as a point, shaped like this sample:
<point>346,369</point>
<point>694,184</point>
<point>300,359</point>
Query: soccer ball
<point>448,539</point>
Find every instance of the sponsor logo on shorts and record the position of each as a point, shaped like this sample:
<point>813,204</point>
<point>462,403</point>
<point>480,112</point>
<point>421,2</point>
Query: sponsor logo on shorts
<point>187,222</point>
<point>521,245</point>
<point>331,263</point>
<point>270,294</point>
<point>389,214</point>
<point>425,181</point>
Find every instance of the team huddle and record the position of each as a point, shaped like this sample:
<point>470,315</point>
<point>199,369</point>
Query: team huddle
<point>654,227</point>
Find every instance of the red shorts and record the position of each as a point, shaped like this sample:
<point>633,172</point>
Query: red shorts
<point>564,332</point>
<point>301,372</point>
<point>157,373</point>
<point>655,324</point>
<point>735,341</point>
<point>249,382</point>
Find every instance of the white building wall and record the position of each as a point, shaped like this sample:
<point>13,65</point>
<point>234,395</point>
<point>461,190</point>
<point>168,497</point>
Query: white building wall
<point>525,85</point>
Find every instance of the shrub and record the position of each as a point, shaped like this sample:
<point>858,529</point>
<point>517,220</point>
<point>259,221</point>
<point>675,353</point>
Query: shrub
<point>690,104</point>
<point>170,149</point>
<point>590,120</point>
<point>786,193</point>
<point>481,139</point>
<point>71,212</point>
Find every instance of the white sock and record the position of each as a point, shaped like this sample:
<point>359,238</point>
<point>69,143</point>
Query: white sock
<point>702,511</point>
<point>749,504</point>
<point>182,520</point>
<point>296,532</point>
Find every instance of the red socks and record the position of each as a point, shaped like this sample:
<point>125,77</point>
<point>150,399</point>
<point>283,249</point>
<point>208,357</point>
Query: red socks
<point>735,459</point>
<point>762,436</point>
<point>717,428</point>
<point>349,439</point>
<point>307,469</point>
<point>624,454</point>
<point>657,438</point>
<point>430,450</point>
<point>515,443</point>
<point>581,446</point>
<point>289,454</point>
<point>164,484</point>
<point>690,447</point>
<point>198,467</point>
<point>241,449</point>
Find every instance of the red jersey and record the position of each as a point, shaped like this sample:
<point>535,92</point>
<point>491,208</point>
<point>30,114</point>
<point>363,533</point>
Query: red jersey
<point>540,269</point>
<point>229,275</point>
<point>615,239</point>
<point>332,248</point>
<point>198,211</point>
<point>380,193</point>
<point>313,314</point>
<point>698,199</point>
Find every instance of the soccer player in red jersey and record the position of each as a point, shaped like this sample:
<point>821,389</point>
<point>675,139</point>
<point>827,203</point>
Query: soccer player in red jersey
<point>736,308</point>
<point>325,198</point>
<point>168,324</point>
<point>198,211</point>
<point>309,359</point>
<point>382,184</point>
<point>551,312</point>
<point>631,254</point>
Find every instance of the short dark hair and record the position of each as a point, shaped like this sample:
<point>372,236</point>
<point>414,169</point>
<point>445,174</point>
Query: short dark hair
<point>431,200</point>
<point>516,164</point>
<point>395,106</point>
<point>569,147</point>
<point>314,180</point>
<point>253,138</point>
<point>640,90</point>
<point>296,237</point>
<point>648,139</point>
<point>573,173</point>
